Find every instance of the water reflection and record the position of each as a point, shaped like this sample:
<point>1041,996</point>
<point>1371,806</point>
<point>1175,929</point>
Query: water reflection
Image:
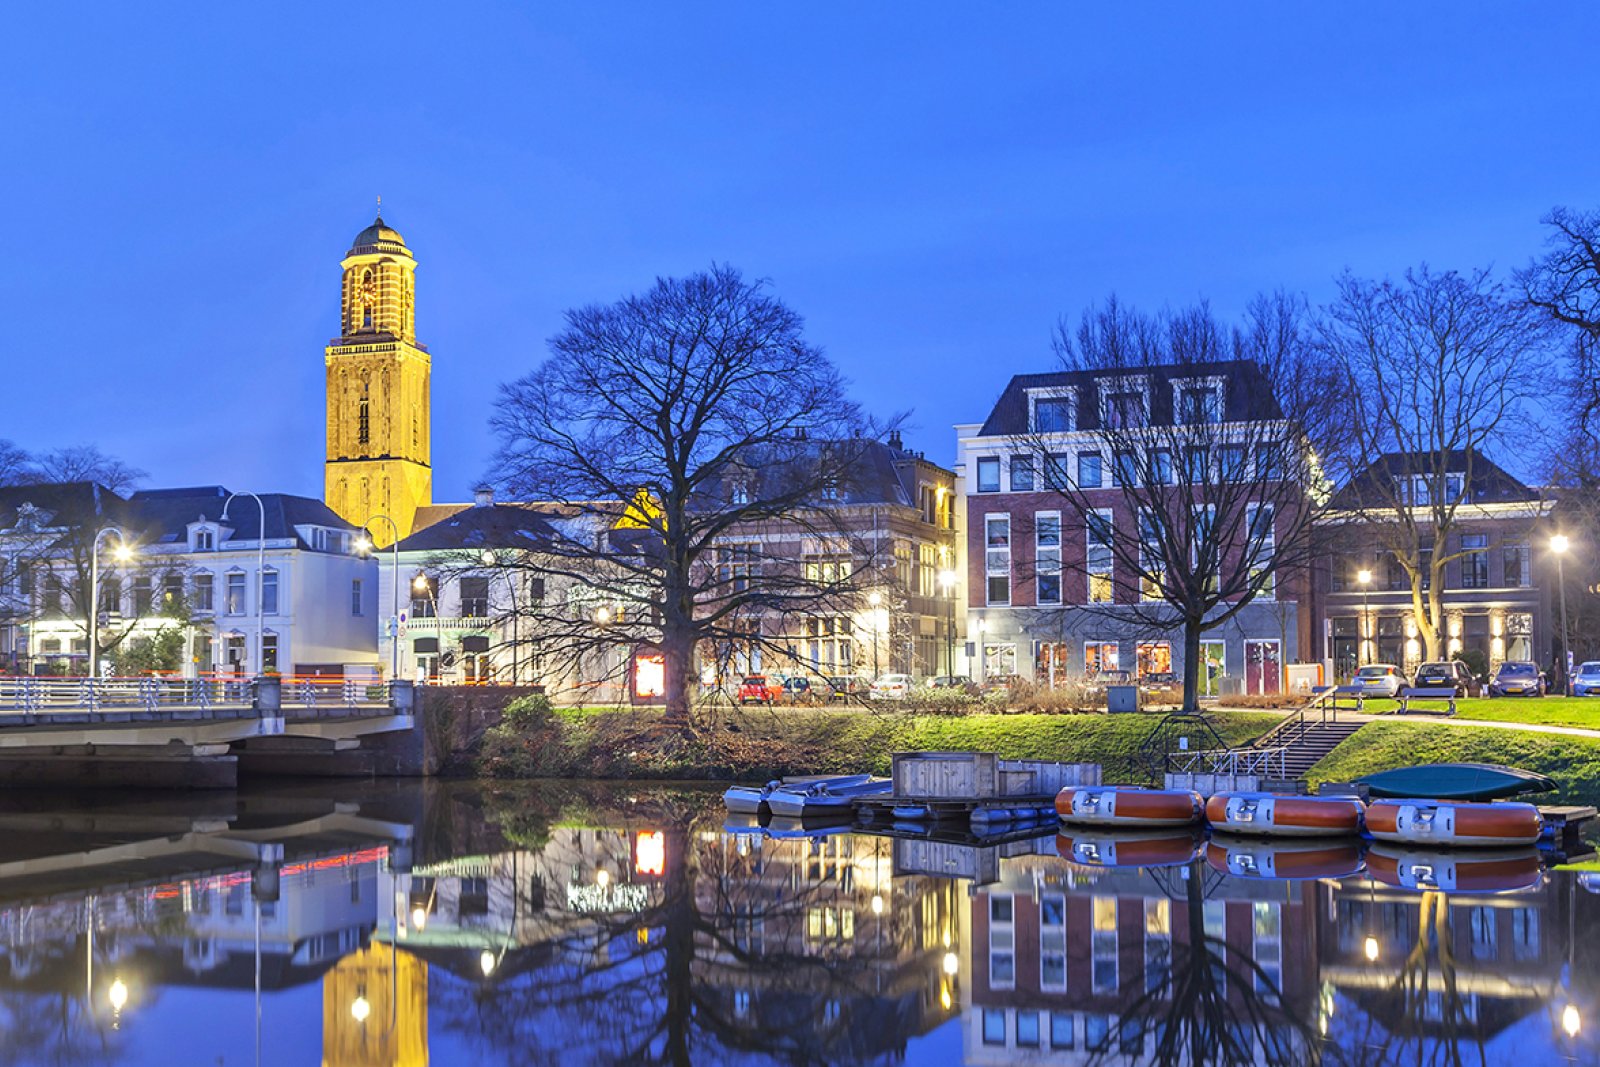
<point>440,925</point>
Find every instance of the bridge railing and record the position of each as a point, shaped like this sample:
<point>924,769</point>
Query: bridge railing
<point>1266,762</point>
<point>30,695</point>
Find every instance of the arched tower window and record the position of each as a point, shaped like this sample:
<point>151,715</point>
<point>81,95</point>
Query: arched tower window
<point>363,418</point>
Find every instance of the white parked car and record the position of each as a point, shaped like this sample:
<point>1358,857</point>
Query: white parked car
<point>891,687</point>
<point>1379,680</point>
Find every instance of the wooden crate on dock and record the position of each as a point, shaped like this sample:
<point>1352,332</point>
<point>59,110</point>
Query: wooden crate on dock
<point>983,776</point>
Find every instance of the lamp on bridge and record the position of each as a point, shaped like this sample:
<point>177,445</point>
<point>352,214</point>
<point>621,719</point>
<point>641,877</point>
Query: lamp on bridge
<point>122,554</point>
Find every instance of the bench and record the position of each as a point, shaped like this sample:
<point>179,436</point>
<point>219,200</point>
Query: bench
<point>1426,693</point>
<point>1348,692</point>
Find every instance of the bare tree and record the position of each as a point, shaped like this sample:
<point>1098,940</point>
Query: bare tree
<point>1205,444</point>
<point>1437,370</point>
<point>1564,285</point>
<point>663,427</point>
<point>16,465</point>
<point>86,463</point>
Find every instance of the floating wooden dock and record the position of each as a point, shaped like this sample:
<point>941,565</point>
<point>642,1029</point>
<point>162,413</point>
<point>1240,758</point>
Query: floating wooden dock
<point>976,789</point>
<point>1563,828</point>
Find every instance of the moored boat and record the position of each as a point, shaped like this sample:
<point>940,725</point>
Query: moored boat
<point>1117,805</point>
<point>1130,848</point>
<point>1477,871</point>
<point>1457,781</point>
<point>1284,860</point>
<point>1439,822</point>
<point>752,799</point>
<point>1272,815</point>
<point>802,798</point>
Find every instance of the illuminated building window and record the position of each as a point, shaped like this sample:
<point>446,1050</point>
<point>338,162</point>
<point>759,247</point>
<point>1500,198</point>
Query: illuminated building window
<point>1103,944</point>
<point>1002,943</point>
<point>1053,943</point>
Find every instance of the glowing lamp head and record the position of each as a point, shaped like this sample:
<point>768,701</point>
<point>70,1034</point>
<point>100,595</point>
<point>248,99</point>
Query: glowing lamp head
<point>363,545</point>
<point>952,963</point>
<point>1571,1022</point>
<point>947,579</point>
<point>1559,544</point>
<point>360,1008</point>
<point>602,878</point>
<point>1370,948</point>
<point>877,904</point>
<point>420,583</point>
<point>487,555</point>
<point>875,599</point>
<point>487,963</point>
<point>419,917</point>
<point>602,615</point>
<point>118,994</point>
<point>1364,576</point>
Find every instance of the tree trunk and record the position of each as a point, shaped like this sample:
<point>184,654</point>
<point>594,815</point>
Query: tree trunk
<point>677,655</point>
<point>1192,666</point>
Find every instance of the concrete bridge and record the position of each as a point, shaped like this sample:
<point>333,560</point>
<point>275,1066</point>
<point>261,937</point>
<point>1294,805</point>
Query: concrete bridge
<point>195,732</point>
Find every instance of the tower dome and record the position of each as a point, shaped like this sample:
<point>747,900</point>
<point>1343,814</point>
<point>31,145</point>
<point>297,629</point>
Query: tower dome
<point>379,237</point>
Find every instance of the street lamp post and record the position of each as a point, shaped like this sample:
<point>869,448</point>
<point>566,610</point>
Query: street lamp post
<point>947,579</point>
<point>875,599</point>
<point>123,554</point>
<point>490,560</point>
<point>363,546</point>
<point>1559,545</point>
<point>420,584</point>
<point>261,577</point>
<point>1364,577</point>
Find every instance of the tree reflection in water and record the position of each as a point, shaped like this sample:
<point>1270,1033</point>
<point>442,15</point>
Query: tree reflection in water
<point>802,951</point>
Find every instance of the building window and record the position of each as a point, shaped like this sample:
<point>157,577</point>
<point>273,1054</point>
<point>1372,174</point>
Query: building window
<point>989,474</point>
<point>111,595</point>
<point>828,643</point>
<point>1475,561</point>
<point>269,592</point>
<point>363,419</point>
<point>424,597</point>
<point>1002,942</point>
<point>1103,944</point>
<point>141,596</point>
<point>1161,466</point>
<point>999,660</point>
<point>1053,944</point>
<point>1154,657</point>
<point>269,653</point>
<point>737,564</point>
<point>1022,474</point>
<point>828,570</point>
<point>1200,404</point>
<point>1100,656</point>
<point>1027,1029</point>
<point>1097,558</point>
<point>1061,1029</point>
<point>1152,559</point>
<point>355,596</point>
<point>994,1026</point>
<point>1088,470</point>
<point>1196,461</point>
<point>1157,944</point>
<point>1047,556</point>
<point>1515,558</point>
<point>1231,463</point>
<point>1124,411</point>
<point>1267,932</point>
<point>474,598</point>
<point>997,558</point>
<point>205,541</point>
<point>1052,414</point>
<point>204,598</point>
<point>233,598</point>
<point>1124,468</point>
<point>1263,537</point>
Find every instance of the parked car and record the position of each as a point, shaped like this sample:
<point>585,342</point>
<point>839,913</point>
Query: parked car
<point>1379,680</point>
<point>1517,678</point>
<point>759,689</point>
<point>950,681</point>
<point>1162,683</point>
<point>1586,679</point>
<point>799,690</point>
<point>849,687</point>
<point>1453,675</point>
<point>891,687</point>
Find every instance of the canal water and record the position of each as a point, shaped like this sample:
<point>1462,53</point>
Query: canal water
<point>444,924</point>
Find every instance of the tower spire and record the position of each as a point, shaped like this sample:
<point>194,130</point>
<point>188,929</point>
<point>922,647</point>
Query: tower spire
<point>380,206</point>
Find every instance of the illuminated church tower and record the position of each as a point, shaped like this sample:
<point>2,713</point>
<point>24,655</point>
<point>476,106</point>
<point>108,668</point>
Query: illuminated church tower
<point>378,434</point>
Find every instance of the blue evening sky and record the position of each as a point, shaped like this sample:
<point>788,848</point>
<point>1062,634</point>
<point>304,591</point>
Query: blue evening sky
<point>931,185</point>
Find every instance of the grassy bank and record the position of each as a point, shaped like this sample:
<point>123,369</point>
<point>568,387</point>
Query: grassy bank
<point>764,743</point>
<point>1574,762</point>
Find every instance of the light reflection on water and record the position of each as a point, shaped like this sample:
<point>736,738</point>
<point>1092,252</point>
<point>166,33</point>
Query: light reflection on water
<point>432,924</point>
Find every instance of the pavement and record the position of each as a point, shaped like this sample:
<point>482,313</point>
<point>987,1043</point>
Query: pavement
<point>1438,720</point>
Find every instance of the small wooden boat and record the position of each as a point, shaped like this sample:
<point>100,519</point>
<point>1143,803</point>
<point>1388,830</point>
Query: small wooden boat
<point>752,799</point>
<point>802,798</point>
<point>1478,871</point>
<point>1120,805</point>
<point>1283,860</point>
<point>1457,781</point>
<point>1130,848</point>
<point>1443,823</point>
<point>1271,815</point>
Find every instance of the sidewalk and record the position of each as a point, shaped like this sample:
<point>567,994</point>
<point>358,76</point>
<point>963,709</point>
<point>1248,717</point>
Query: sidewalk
<point>1433,720</point>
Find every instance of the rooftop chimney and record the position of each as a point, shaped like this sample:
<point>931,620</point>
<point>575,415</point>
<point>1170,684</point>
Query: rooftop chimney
<point>894,439</point>
<point>483,496</point>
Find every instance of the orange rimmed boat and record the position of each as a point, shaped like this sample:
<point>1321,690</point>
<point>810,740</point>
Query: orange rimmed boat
<point>1131,848</point>
<point>1247,857</point>
<point>1442,822</point>
<point>1273,815</point>
<point>1488,871</point>
<point>1120,805</point>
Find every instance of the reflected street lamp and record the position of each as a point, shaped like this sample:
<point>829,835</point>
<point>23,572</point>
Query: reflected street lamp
<point>1559,545</point>
<point>947,581</point>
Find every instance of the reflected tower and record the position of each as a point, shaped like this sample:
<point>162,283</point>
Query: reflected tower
<point>375,1010</point>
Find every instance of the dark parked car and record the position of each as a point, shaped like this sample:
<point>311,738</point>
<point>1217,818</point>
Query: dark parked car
<point>1517,678</point>
<point>798,690</point>
<point>848,687</point>
<point>1453,675</point>
<point>950,681</point>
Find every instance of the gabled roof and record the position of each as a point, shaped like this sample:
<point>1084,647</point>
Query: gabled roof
<point>164,515</point>
<point>1245,394</point>
<point>1491,483</point>
<point>61,503</point>
<point>485,526</point>
<point>881,473</point>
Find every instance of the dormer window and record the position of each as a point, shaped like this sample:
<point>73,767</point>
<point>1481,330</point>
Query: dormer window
<point>204,539</point>
<point>1052,410</point>
<point>1199,404</point>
